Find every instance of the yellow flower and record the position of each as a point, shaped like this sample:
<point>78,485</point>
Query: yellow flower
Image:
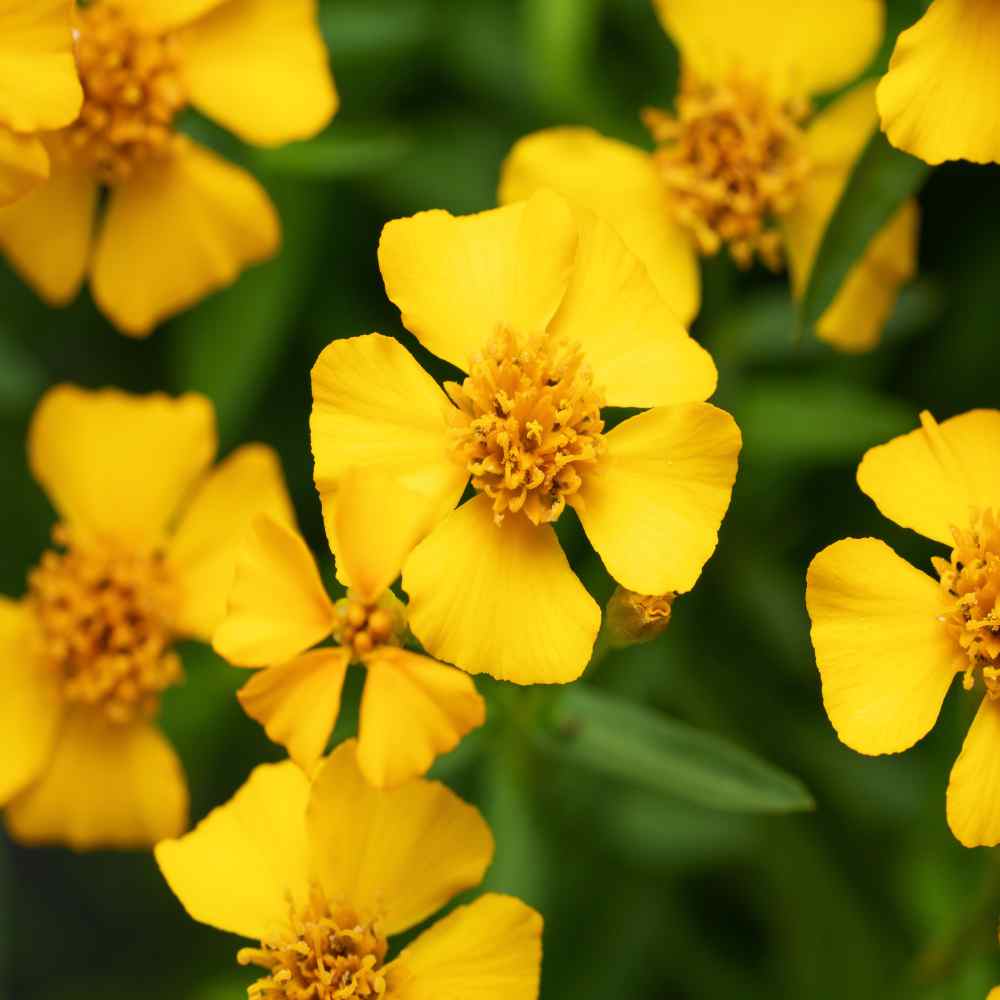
<point>889,640</point>
<point>736,164</point>
<point>321,877</point>
<point>412,710</point>
<point>39,89</point>
<point>938,100</point>
<point>551,318</point>
<point>144,551</point>
<point>180,221</point>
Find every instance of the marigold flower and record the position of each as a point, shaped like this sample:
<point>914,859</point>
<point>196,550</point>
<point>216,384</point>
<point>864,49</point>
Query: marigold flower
<point>322,877</point>
<point>180,221</point>
<point>145,547</point>
<point>739,162</point>
<point>552,318</point>
<point>39,89</point>
<point>889,640</point>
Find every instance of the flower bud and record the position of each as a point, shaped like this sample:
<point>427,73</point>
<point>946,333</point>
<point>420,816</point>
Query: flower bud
<point>631,618</point>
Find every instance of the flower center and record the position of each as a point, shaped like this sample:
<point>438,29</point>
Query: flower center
<point>328,954</point>
<point>528,424</point>
<point>732,160</point>
<point>363,627</point>
<point>105,622</point>
<point>972,578</point>
<point>132,90</point>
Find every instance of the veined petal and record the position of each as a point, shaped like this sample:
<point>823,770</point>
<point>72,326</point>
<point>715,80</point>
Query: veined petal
<point>620,184</point>
<point>488,950</point>
<point>397,854</point>
<point>106,786</point>
<point>24,164</point>
<point>653,505</point>
<point>974,786</point>
<point>930,479</point>
<point>884,656</point>
<point>119,466</point>
<point>500,600</point>
<point>174,232</point>
<point>261,69</point>
<point>938,100</point>
<point>412,710</point>
<point>247,861</point>
<point>456,280</point>
<point>278,606</point>
<point>204,548</point>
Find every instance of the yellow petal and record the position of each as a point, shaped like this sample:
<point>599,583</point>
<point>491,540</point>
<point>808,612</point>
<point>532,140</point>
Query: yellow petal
<point>803,48</point>
<point>176,231</point>
<point>653,505</point>
<point>119,466</point>
<point>456,280</point>
<point>885,659</point>
<point>298,702</point>
<point>639,352</point>
<point>24,164</point>
<point>930,479</point>
<point>278,606</point>
<point>31,706</point>
<point>204,548</point>
<point>974,786</point>
<point>106,785</point>
<point>158,16</point>
<point>938,100</point>
<point>242,864</point>
<point>488,950</point>
<point>500,600</point>
<point>261,69</point>
<point>46,235</point>
<point>39,89</point>
<point>622,185</point>
<point>398,854</point>
<point>412,710</point>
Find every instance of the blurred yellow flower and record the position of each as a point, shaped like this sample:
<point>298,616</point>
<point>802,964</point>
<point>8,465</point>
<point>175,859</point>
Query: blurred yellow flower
<point>736,164</point>
<point>180,221</point>
<point>551,318</point>
<point>144,550</point>
<point>889,639</point>
<point>322,877</point>
<point>938,100</point>
<point>39,89</point>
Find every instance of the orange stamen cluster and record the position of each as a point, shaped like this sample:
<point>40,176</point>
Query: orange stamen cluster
<point>528,424</point>
<point>363,627</point>
<point>132,91</point>
<point>733,160</point>
<point>105,620</point>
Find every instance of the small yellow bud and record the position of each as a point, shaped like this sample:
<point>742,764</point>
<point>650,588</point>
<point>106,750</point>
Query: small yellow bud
<point>631,618</point>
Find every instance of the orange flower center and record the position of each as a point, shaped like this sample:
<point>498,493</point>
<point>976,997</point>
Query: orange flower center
<point>528,424</point>
<point>732,160</point>
<point>105,622</point>
<point>972,578</point>
<point>329,953</point>
<point>132,91</point>
<point>363,627</point>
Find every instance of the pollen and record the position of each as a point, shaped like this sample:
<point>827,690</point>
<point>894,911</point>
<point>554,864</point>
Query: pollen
<point>528,424</point>
<point>328,953</point>
<point>733,161</point>
<point>104,617</point>
<point>972,579</point>
<point>363,627</point>
<point>132,91</point>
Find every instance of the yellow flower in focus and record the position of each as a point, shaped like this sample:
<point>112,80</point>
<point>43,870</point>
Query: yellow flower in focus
<point>39,89</point>
<point>551,318</point>
<point>323,877</point>
<point>180,221</point>
<point>889,639</point>
<point>938,100</point>
<point>412,709</point>
<point>144,551</point>
<point>739,161</point>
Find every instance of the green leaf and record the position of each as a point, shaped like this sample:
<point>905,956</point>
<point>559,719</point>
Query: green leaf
<point>882,179</point>
<point>631,743</point>
<point>342,151</point>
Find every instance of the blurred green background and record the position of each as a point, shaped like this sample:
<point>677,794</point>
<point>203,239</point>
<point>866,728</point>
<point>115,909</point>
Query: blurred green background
<point>644,895</point>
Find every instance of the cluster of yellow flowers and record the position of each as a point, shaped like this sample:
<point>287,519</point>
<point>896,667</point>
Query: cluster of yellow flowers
<point>570,298</point>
